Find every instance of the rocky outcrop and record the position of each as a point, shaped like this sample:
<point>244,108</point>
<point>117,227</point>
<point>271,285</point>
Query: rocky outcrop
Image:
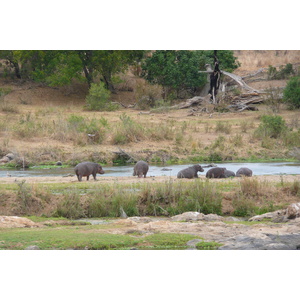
<point>14,222</point>
<point>283,215</point>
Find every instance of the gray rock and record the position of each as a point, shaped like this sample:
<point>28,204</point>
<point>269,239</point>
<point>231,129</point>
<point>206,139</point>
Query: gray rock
<point>188,216</point>
<point>32,247</point>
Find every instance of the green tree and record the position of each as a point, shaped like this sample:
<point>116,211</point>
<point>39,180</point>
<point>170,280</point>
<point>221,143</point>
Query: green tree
<point>291,93</point>
<point>178,70</point>
<point>59,67</point>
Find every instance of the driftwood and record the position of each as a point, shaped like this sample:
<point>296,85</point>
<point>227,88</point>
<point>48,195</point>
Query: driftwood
<point>125,106</point>
<point>192,102</point>
<point>129,157</point>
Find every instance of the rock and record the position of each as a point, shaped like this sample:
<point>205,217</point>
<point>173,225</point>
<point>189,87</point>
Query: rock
<point>14,222</point>
<point>140,219</point>
<point>188,216</point>
<point>269,215</point>
<point>33,247</point>
<point>59,163</point>
<point>4,160</point>
<point>10,156</point>
<point>293,211</point>
<point>192,244</point>
<point>212,217</point>
<point>123,213</point>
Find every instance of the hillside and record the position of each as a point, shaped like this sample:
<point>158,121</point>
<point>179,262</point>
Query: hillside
<point>37,123</point>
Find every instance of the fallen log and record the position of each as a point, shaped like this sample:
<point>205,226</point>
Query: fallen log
<point>129,157</point>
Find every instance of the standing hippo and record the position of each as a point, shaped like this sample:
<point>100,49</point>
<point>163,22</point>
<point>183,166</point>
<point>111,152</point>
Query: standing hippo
<point>190,172</point>
<point>229,173</point>
<point>243,172</point>
<point>216,173</point>
<point>86,169</point>
<point>141,168</point>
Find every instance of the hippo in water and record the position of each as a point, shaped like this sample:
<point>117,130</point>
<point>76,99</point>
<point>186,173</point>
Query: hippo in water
<point>190,172</point>
<point>216,173</point>
<point>87,169</point>
<point>140,169</point>
<point>229,173</point>
<point>244,172</point>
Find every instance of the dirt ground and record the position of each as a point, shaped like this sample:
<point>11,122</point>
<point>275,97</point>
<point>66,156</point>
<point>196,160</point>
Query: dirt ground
<point>111,179</point>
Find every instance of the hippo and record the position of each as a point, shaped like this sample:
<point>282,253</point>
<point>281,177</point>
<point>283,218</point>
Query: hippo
<point>190,172</point>
<point>86,169</point>
<point>244,172</point>
<point>229,173</point>
<point>141,168</point>
<point>216,173</point>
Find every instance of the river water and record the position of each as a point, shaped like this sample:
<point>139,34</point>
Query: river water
<point>270,168</point>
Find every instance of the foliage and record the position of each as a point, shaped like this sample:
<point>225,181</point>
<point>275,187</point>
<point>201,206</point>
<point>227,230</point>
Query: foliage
<point>291,93</point>
<point>60,67</point>
<point>147,95</point>
<point>70,207</point>
<point>128,131</point>
<point>283,72</point>
<point>271,126</point>
<point>178,70</point>
<point>98,98</point>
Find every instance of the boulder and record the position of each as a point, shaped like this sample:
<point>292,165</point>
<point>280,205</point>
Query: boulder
<point>14,222</point>
<point>188,216</point>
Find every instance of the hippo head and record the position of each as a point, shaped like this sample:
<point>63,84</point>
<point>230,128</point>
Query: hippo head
<point>199,168</point>
<point>100,170</point>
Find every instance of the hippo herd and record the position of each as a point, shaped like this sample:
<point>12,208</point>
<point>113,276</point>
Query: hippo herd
<point>141,168</point>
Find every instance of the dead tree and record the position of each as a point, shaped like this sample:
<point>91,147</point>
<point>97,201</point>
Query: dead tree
<point>215,78</point>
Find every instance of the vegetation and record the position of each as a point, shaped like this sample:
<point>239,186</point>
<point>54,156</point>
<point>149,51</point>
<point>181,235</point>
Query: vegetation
<point>60,67</point>
<point>291,93</point>
<point>180,72</point>
<point>98,98</point>
<point>283,73</point>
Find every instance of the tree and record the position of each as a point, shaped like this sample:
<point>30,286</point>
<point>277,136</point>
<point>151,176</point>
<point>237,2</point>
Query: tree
<point>59,67</point>
<point>291,93</point>
<point>179,70</point>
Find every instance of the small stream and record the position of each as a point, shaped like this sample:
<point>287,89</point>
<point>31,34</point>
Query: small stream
<point>268,168</point>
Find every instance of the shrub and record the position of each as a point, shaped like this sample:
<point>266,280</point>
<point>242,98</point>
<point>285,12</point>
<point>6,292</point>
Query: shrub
<point>223,127</point>
<point>70,207</point>
<point>128,131</point>
<point>147,95</point>
<point>291,93</point>
<point>98,98</point>
<point>271,126</point>
<point>282,73</point>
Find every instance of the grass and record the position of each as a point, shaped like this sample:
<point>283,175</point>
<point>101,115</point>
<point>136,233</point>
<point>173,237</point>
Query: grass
<point>87,237</point>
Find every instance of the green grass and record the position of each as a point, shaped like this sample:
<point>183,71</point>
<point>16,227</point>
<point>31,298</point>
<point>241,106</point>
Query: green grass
<point>88,237</point>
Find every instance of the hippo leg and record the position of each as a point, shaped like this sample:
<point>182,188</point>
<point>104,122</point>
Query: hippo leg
<point>94,175</point>
<point>87,177</point>
<point>79,177</point>
<point>144,175</point>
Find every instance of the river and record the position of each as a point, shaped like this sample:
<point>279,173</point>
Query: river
<point>267,168</point>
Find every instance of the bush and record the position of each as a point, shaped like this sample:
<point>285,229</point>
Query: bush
<point>291,93</point>
<point>271,126</point>
<point>282,73</point>
<point>98,98</point>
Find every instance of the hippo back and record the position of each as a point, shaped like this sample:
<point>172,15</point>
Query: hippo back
<point>141,168</point>
<point>190,172</point>
<point>244,172</point>
<point>216,173</point>
<point>229,173</point>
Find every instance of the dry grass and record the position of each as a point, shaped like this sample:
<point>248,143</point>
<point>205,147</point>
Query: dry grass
<point>252,60</point>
